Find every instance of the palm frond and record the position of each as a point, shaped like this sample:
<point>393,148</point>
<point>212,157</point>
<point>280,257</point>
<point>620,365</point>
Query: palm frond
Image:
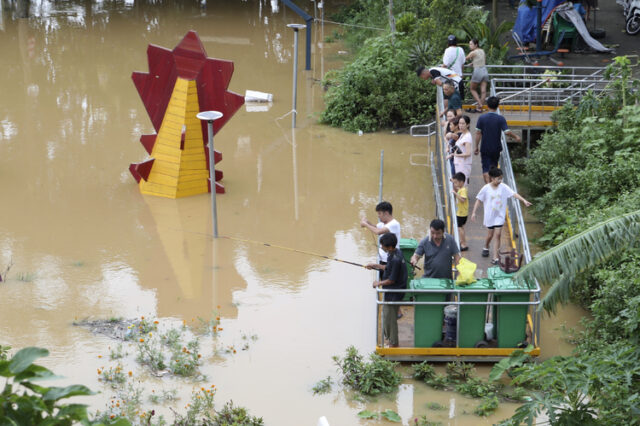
<point>559,265</point>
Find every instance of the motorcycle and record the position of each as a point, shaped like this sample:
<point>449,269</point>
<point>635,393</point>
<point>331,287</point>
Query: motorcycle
<point>631,10</point>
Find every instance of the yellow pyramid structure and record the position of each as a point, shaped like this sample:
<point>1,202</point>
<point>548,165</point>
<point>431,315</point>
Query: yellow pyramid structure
<point>179,170</point>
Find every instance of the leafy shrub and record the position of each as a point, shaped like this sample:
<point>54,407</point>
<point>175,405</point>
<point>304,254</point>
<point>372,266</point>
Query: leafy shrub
<point>230,415</point>
<point>369,378</point>
<point>378,89</point>
<point>573,389</point>
<point>22,402</point>
<point>323,386</point>
<point>460,371</point>
<point>477,388</point>
<point>423,371</point>
<point>487,407</point>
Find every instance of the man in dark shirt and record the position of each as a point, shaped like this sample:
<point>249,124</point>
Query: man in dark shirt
<point>452,98</point>
<point>489,130</point>
<point>439,250</point>
<point>394,277</point>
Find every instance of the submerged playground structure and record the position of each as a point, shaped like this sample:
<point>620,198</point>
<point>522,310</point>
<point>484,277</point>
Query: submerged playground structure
<point>181,83</point>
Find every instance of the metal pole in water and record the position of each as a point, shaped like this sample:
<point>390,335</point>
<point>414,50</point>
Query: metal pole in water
<point>381,174</point>
<point>380,192</point>
<point>210,117</point>
<point>295,27</point>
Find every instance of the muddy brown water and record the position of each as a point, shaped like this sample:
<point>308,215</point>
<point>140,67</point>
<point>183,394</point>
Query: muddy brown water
<point>85,243</point>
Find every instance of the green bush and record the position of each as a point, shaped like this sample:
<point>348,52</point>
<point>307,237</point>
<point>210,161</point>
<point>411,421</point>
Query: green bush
<point>377,90</point>
<point>369,378</point>
<point>575,389</point>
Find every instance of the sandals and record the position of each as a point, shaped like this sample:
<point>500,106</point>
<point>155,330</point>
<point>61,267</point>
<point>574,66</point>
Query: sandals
<point>495,261</point>
<point>464,248</point>
<point>485,252</point>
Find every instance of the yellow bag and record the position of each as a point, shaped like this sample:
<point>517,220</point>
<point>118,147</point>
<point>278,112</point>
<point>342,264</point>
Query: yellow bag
<point>466,270</point>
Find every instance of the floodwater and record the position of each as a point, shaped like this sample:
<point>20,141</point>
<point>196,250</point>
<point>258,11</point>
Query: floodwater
<point>83,242</point>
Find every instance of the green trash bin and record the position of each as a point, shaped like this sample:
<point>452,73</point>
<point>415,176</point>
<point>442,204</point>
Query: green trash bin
<point>428,319</point>
<point>408,247</point>
<point>511,320</point>
<point>472,317</point>
<point>495,273</point>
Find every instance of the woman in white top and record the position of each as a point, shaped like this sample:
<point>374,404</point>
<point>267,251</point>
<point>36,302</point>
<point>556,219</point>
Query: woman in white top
<point>462,158</point>
<point>480,74</point>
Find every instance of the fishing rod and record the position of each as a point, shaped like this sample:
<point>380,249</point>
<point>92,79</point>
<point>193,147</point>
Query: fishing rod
<point>296,250</point>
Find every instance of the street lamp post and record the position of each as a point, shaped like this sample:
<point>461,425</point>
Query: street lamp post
<point>210,117</point>
<point>295,27</point>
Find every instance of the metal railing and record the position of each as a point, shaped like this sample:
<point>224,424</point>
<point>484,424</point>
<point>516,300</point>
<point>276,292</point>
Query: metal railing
<point>547,91</point>
<point>446,210</point>
<point>517,226</point>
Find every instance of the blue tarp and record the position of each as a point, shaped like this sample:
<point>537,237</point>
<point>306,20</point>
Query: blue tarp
<point>526,22</point>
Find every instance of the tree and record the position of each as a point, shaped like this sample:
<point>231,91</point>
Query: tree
<point>559,265</point>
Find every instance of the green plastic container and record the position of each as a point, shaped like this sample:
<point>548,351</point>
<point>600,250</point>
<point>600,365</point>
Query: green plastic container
<point>511,320</point>
<point>408,247</point>
<point>472,317</point>
<point>495,273</point>
<point>428,319</point>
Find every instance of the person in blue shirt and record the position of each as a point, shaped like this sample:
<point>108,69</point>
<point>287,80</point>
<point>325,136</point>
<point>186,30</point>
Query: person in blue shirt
<point>488,141</point>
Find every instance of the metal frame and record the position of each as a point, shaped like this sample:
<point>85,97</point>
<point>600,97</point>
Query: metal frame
<point>525,92</point>
<point>446,210</point>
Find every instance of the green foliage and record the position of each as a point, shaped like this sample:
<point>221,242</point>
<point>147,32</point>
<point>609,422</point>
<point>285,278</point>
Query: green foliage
<point>201,411</point>
<point>516,359</point>
<point>460,371</point>
<point>424,421</point>
<point>584,178</point>
<point>436,406</point>
<point>405,22</point>
<point>22,402</point>
<point>366,414</point>
<point>586,163</point>
<point>230,416</point>
<point>323,386</point>
<point>487,407</point>
<point>492,42</point>
<point>169,351</point>
<point>477,388</point>
<point>438,381</point>
<point>369,378</point>
<point>391,415</point>
<point>379,89</point>
<point>423,371</point>
<point>4,352</point>
<point>576,388</point>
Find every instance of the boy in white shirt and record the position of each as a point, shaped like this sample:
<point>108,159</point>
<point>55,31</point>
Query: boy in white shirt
<point>386,224</point>
<point>494,196</point>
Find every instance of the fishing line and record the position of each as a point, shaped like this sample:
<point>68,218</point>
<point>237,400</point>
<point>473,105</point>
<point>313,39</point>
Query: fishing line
<point>295,250</point>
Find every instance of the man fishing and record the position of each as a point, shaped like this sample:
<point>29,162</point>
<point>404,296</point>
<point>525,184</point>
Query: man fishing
<point>394,276</point>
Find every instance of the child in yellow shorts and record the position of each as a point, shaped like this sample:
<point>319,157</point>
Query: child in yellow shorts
<point>462,206</point>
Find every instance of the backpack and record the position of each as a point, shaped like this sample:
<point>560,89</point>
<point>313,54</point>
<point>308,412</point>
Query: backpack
<point>509,261</point>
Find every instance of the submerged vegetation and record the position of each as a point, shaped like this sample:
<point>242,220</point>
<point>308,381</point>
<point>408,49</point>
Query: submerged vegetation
<point>160,350</point>
<point>368,378</point>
